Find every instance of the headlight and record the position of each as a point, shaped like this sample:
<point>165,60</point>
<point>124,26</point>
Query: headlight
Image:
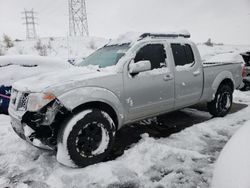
<point>38,100</point>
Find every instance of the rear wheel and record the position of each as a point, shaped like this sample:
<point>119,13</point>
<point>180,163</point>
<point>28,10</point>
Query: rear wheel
<point>222,102</point>
<point>86,138</point>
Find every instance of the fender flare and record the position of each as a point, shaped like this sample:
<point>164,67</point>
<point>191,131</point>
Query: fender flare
<point>80,96</point>
<point>224,75</point>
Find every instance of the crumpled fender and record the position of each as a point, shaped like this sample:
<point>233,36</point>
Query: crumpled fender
<point>219,78</point>
<point>79,96</point>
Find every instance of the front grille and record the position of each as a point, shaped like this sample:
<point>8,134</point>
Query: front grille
<point>19,100</point>
<point>23,101</point>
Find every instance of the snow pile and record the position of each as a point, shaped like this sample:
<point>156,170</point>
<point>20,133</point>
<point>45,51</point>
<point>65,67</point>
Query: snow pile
<point>233,166</point>
<point>32,61</point>
<point>14,68</point>
<point>184,159</point>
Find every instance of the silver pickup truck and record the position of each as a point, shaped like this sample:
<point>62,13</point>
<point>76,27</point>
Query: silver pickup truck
<point>78,111</point>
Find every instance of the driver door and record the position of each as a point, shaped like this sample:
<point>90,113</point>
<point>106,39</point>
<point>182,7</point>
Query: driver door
<point>150,92</point>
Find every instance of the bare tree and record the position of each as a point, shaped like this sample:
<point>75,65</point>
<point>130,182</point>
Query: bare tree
<point>7,41</point>
<point>41,48</point>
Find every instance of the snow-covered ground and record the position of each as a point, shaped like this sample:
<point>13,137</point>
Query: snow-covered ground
<point>232,167</point>
<point>184,159</point>
<point>63,47</point>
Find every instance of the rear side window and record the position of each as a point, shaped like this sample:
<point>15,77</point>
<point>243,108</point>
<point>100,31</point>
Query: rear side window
<point>183,54</point>
<point>155,53</point>
<point>189,54</point>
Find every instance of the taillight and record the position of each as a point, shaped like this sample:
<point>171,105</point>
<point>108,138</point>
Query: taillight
<point>243,71</point>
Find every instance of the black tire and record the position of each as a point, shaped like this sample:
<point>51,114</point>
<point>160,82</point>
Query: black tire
<point>246,86</point>
<point>222,102</point>
<point>85,138</point>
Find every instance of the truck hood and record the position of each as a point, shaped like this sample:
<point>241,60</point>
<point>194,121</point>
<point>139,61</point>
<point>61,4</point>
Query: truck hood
<point>57,82</point>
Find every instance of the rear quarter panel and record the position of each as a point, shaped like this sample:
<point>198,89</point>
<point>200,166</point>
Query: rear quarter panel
<point>215,74</point>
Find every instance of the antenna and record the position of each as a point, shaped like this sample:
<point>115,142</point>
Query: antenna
<point>78,22</point>
<point>30,23</point>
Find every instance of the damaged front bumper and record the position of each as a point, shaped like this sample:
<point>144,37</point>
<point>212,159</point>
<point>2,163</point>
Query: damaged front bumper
<point>39,128</point>
<point>27,133</point>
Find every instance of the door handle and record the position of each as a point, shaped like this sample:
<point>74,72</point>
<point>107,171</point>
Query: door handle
<point>168,77</point>
<point>196,73</point>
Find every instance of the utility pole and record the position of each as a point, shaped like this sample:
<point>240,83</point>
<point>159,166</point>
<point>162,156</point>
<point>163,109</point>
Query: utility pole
<point>78,22</point>
<point>29,18</point>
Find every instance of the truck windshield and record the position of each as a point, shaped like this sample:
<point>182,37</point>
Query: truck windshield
<point>106,56</point>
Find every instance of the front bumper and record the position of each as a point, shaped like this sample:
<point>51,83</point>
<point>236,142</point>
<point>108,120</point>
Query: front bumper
<point>27,134</point>
<point>24,131</point>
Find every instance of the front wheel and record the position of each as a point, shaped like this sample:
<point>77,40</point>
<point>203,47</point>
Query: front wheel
<point>222,102</point>
<point>85,138</point>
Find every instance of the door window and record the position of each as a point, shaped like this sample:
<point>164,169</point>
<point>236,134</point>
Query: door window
<point>183,55</point>
<point>155,53</point>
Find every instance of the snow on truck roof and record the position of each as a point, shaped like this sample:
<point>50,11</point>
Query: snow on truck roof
<point>131,37</point>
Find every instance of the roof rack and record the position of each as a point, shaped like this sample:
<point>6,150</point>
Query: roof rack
<point>170,35</point>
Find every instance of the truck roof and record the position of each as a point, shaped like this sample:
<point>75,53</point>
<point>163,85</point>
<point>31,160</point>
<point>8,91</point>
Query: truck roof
<point>131,37</point>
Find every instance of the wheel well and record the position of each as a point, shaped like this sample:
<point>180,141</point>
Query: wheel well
<point>228,82</point>
<point>99,105</point>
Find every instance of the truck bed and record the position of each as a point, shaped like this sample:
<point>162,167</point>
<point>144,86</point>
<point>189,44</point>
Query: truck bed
<point>213,70</point>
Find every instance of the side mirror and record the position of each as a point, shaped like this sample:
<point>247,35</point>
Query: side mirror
<point>140,66</point>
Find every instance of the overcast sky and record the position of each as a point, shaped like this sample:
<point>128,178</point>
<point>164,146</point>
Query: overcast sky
<point>226,21</point>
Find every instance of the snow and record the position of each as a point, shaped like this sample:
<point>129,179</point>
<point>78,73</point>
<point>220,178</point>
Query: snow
<point>233,166</point>
<point>32,60</point>
<point>104,143</point>
<point>184,159</point>
<point>62,151</point>
<point>207,52</point>
<point>74,75</point>
<point>63,47</point>
<point>16,67</point>
<point>131,37</point>
<point>184,67</point>
<point>110,120</point>
<point>226,58</point>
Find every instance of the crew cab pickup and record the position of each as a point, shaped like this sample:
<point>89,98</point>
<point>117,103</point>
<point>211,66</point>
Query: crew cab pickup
<point>78,111</point>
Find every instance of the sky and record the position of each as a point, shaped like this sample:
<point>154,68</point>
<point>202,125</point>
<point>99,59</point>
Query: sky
<point>226,21</point>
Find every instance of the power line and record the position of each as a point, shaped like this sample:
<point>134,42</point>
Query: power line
<point>29,18</point>
<point>78,22</point>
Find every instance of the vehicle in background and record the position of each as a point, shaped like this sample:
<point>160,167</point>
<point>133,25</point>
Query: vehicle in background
<point>14,68</point>
<point>135,77</point>
<point>4,98</point>
<point>246,76</point>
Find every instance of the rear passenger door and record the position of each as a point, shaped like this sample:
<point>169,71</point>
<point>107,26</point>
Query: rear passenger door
<point>188,75</point>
